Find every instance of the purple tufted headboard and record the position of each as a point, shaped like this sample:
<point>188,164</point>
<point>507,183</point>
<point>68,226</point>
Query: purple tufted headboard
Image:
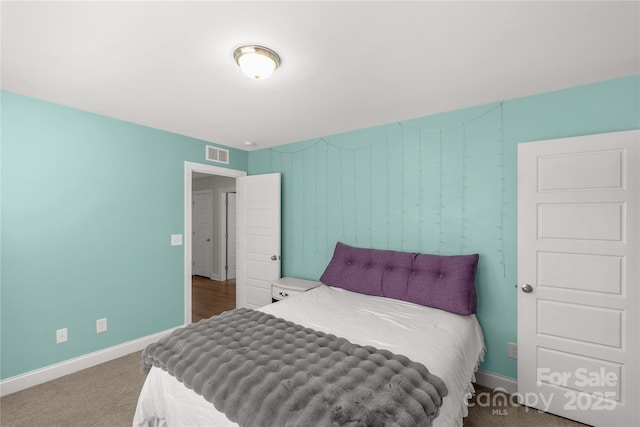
<point>444,282</point>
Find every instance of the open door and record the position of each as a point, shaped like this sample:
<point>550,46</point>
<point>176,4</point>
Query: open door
<point>579,277</point>
<point>258,238</point>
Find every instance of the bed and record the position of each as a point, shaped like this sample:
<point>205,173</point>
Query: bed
<point>416,305</point>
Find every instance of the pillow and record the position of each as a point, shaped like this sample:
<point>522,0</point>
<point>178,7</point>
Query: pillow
<point>439,281</point>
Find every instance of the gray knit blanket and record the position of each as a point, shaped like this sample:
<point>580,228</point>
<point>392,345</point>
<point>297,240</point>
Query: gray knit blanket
<point>263,371</point>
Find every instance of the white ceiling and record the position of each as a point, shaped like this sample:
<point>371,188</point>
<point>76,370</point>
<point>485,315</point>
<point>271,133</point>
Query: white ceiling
<point>345,65</point>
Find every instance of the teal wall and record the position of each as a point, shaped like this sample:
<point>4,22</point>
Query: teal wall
<point>88,204</point>
<point>88,207</point>
<point>443,184</point>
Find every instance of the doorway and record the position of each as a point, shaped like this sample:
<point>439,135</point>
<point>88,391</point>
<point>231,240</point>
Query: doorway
<point>209,221</point>
<point>200,171</point>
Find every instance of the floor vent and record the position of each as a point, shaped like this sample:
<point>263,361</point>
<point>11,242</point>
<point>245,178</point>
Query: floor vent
<point>215,154</point>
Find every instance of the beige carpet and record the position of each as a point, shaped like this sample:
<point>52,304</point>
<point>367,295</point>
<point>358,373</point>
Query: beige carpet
<point>106,396</point>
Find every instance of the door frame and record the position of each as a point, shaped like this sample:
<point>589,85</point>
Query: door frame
<point>223,229</point>
<point>189,169</point>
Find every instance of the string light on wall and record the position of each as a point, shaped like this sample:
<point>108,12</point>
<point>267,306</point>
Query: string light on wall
<point>412,187</point>
<point>257,62</point>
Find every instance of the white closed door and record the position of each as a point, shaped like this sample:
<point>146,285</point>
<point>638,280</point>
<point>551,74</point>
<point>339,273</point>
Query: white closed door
<point>202,231</point>
<point>257,238</point>
<point>579,277</point>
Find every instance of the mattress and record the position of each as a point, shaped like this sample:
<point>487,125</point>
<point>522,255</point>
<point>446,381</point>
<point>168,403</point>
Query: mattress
<point>449,345</point>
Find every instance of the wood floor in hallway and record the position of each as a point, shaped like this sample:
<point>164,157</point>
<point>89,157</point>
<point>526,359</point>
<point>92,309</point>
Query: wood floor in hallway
<point>211,297</point>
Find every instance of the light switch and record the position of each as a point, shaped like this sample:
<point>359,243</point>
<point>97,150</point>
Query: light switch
<point>176,240</point>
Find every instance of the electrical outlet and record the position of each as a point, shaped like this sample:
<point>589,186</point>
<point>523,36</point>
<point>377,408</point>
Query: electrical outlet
<point>61,336</point>
<point>513,350</point>
<point>101,325</point>
<point>176,240</point>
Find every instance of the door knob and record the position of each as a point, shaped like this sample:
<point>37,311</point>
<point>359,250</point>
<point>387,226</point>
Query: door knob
<point>274,257</point>
<point>208,240</point>
<point>527,289</point>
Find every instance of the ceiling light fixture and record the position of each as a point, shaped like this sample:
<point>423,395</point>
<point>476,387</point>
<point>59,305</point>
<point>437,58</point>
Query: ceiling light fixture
<point>257,62</point>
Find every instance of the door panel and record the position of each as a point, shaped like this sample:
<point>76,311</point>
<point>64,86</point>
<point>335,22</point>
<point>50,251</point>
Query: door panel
<point>597,221</point>
<point>579,322</point>
<point>256,295</point>
<point>601,169</point>
<point>595,273</point>
<point>558,361</point>
<point>578,249</point>
<point>258,238</point>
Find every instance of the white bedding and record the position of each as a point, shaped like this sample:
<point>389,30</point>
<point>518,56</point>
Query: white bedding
<point>449,345</point>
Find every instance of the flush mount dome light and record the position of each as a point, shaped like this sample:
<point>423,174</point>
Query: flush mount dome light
<point>257,62</point>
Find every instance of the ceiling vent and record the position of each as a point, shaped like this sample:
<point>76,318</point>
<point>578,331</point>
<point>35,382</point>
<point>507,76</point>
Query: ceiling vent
<point>215,154</point>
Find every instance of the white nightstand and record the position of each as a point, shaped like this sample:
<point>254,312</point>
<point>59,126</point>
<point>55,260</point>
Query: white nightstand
<point>285,287</point>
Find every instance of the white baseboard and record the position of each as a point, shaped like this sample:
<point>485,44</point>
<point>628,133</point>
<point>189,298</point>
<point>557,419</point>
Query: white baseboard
<point>488,379</point>
<point>51,372</point>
